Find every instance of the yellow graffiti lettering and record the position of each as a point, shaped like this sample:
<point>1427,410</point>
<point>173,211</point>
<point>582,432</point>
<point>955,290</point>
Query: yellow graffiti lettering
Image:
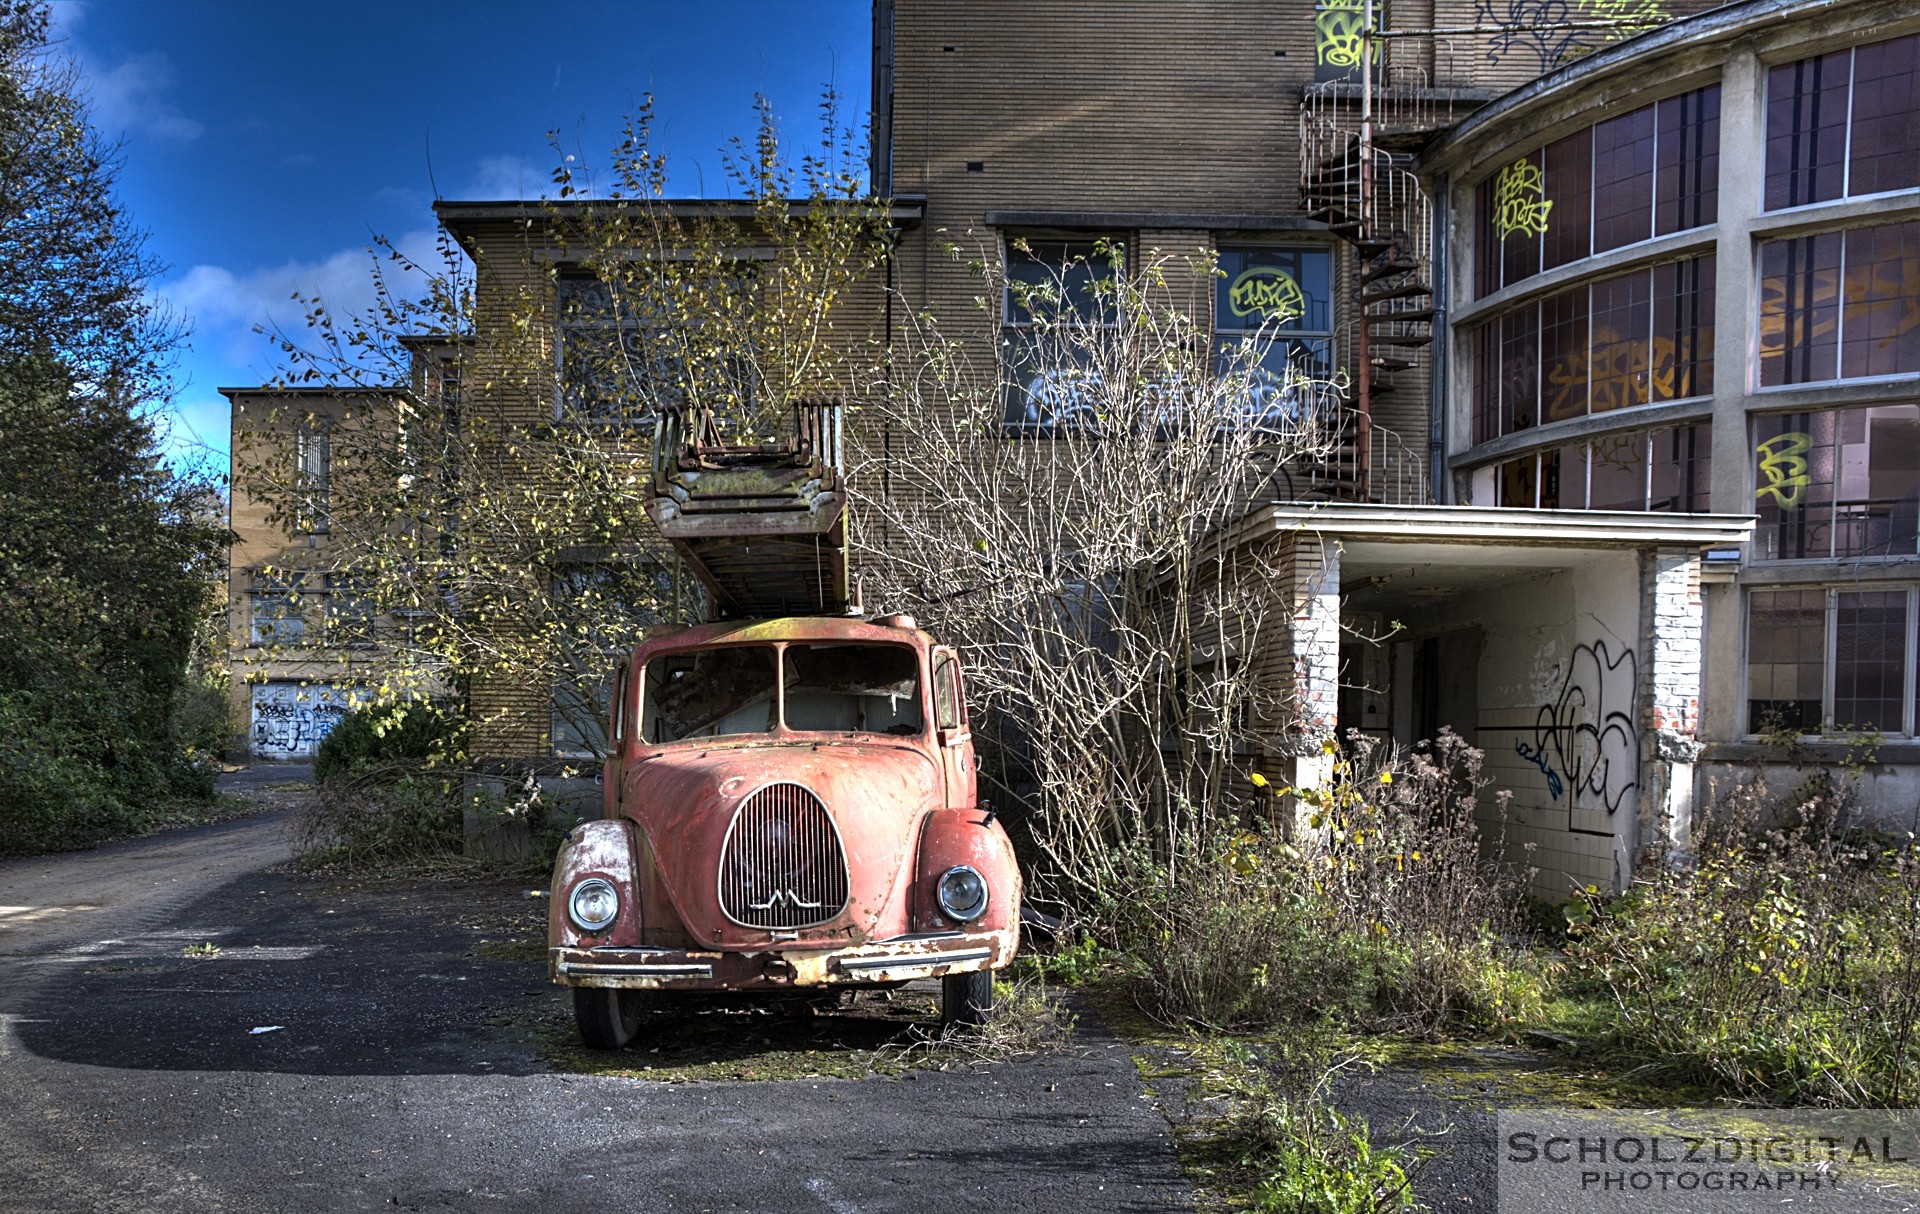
<point>1520,202</point>
<point>1265,291</point>
<point>1627,10</point>
<point>1783,461</point>
<point>1337,28</point>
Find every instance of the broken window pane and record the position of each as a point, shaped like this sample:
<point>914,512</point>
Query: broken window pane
<point>708,693</point>
<point>854,688</point>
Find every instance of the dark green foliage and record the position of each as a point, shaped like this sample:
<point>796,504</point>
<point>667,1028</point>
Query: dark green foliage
<point>379,735</point>
<point>73,271</point>
<point>108,558</point>
<point>106,562</point>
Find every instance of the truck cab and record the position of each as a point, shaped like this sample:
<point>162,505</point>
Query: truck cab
<point>790,804</point>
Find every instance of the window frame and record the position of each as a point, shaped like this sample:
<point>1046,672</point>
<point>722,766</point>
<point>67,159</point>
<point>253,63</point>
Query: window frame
<point>1838,508</point>
<point>1847,130</point>
<point>1292,339</point>
<point>1016,319</point>
<point>1910,669</point>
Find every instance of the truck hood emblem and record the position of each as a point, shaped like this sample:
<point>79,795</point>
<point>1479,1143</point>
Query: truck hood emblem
<point>783,897</point>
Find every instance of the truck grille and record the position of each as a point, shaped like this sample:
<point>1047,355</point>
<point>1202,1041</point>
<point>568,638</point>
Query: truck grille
<point>782,865</point>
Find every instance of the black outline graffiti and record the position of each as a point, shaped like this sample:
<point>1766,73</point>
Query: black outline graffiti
<point>1558,731</point>
<point>1541,26</point>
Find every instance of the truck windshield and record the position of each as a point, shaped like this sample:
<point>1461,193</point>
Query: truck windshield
<point>708,693</point>
<point>854,688</point>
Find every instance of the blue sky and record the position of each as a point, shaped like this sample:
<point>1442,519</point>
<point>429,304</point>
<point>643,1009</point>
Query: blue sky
<point>266,141</point>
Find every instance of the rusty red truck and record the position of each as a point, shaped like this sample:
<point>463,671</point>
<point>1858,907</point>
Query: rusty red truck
<point>791,797</point>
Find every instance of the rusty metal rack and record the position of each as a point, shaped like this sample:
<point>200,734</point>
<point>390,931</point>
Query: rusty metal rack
<point>762,526</point>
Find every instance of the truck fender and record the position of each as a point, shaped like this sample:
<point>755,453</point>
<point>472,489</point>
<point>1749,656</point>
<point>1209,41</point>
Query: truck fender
<point>950,837</point>
<point>600,848</point>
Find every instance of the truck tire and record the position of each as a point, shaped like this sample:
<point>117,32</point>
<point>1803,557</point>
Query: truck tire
<point>608,1018</point>
<point>966,998</point>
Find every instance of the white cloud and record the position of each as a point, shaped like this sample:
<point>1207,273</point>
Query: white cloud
<point>503,177</point>
<point>66,16</point>
<point>131,95</point>
<point>128,96</point>
<point>223,305</point>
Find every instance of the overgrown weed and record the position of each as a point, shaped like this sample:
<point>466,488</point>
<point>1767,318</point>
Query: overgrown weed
<point>1381,914</point>
<point>1283,1146</point>
<point>1780,961</point>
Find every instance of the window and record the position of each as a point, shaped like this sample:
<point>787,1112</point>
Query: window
<point>708,693</point>
<point>580,718</point>
<point>1053,306</point>
<point>1619,366</point>
<point>1666,470</point>
<point>1806,336</point>
<point>853,689</point>
<point>946,692</point>
<point>626,350</point>
<point>1649,172</point>
<point>313,469</point>
<point>600,611</point>
<point>1274,307</point>
<point>1827,658</point>
<point>1616,343</point>
<point>1837,484</point>
<point>349,613</point>
<point>276,614</point>
<point>1623,180</point>
<point>1844,124</point>
<point>608,373</point>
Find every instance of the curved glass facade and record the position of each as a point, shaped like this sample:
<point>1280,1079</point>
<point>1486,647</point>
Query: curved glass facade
<point>1791,322</point>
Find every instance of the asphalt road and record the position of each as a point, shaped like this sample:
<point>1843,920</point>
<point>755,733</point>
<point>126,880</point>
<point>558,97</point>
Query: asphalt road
<point>358,1048</point>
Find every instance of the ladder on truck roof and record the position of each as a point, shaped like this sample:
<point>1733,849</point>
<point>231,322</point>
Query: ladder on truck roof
<point>762,526</point>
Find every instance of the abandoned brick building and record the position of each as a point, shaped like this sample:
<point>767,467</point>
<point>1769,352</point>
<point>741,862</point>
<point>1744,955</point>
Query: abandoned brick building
<point>1632,317</point>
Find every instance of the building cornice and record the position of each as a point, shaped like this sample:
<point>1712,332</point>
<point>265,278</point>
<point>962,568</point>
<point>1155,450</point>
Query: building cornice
<point>1493,525</point>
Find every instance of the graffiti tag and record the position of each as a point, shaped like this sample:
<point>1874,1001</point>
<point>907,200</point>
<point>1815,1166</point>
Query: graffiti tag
<point>291,723</point>
<point>1546,769</point>
<point>1783,461</point>
<point>1337,30</point>
<point>1263,290</point>
<point>1582,742</point>
<point>1520,202</point>
<point>1551,29</point>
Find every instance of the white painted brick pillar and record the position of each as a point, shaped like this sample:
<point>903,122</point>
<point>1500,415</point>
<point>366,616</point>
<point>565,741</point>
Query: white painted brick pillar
<point>1308,572</point>
<point>1672,619</point>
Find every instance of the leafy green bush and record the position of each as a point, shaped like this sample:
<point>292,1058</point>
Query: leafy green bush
<point>413,732</point>
<point>52,795</point>
<point>1783,965</point>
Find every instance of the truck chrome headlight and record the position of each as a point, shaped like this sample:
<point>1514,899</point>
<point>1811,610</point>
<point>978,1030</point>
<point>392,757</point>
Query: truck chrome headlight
<point>963,894</point>
<point>594,904</point>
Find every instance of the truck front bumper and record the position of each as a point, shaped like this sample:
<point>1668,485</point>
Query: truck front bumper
<point>900,959</point>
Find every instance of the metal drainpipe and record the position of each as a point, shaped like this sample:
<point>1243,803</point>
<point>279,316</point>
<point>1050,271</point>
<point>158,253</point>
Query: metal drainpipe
<point>1363,431</point>
<point>1438,482</point>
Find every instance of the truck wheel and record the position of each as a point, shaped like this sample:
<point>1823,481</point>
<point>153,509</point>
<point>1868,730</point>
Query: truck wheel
<point>966,998</point>
<point>608,1018</point>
